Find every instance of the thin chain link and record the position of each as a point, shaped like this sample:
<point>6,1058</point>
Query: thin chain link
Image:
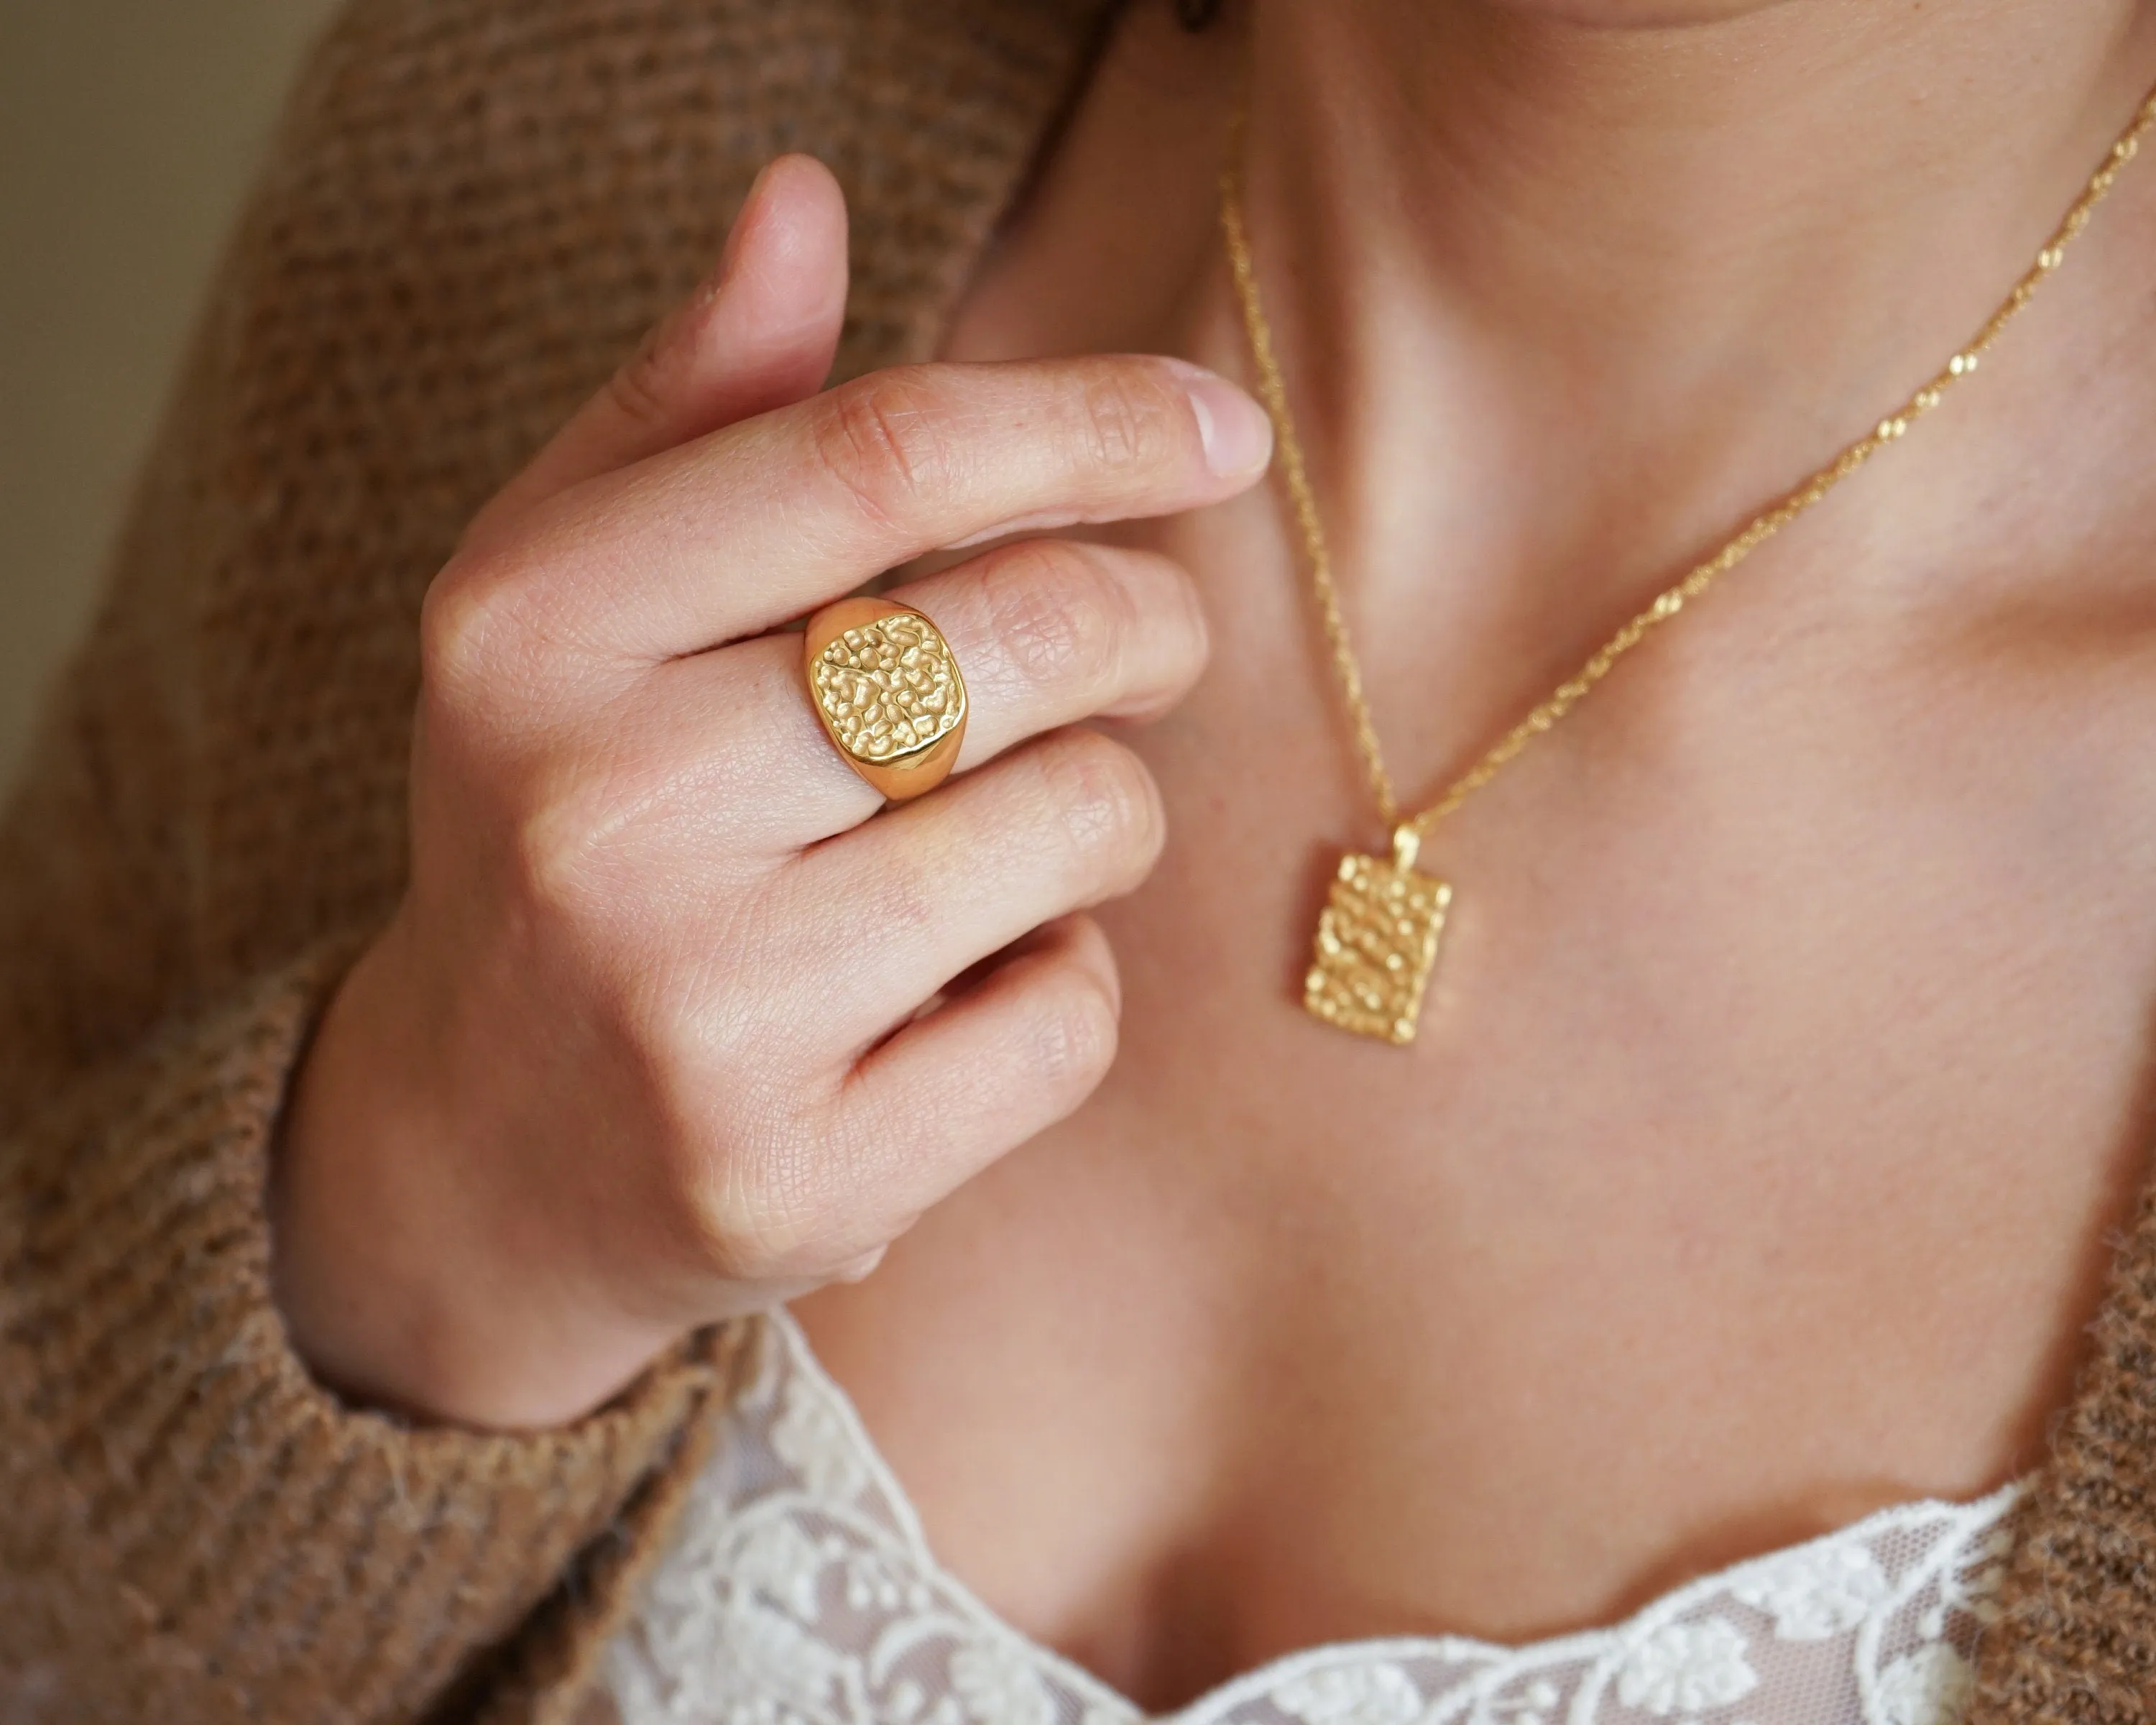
<point>1666,605</point>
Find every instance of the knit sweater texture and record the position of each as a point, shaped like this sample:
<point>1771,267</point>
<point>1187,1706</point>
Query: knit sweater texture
<point>474,209</point>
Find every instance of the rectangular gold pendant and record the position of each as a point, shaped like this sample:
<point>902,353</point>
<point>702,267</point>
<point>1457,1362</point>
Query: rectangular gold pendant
<point>1377,942</point>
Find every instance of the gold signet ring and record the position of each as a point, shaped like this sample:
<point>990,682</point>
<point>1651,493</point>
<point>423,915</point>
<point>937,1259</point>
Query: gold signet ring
<point>882,680</point>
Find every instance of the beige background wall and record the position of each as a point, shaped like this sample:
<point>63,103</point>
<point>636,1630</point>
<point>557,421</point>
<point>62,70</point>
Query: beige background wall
<point>129,130</point>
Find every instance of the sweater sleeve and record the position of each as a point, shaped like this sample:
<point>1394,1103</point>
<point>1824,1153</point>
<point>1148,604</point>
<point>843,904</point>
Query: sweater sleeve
<point>472,210</point>
<point>209,827</point>
<point>195,1530</point>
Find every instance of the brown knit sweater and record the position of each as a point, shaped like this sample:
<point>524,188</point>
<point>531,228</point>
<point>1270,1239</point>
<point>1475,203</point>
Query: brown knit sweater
<point>475,207</point>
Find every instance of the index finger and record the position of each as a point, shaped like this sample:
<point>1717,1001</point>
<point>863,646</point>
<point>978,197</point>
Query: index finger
<point>753,526</point>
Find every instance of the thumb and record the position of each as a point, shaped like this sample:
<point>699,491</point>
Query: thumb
<point>758,334</point>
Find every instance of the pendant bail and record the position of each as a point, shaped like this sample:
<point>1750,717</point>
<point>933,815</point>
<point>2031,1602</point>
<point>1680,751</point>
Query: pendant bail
<point>1407,845</point>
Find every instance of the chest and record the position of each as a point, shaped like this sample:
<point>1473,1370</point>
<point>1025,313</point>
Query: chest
<point>1781,1073</point>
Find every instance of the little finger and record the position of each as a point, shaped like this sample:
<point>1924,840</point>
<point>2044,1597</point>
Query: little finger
<point>1015,1053</point>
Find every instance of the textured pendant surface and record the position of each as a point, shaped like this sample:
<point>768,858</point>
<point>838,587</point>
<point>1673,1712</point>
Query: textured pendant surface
<point>1377,942</point>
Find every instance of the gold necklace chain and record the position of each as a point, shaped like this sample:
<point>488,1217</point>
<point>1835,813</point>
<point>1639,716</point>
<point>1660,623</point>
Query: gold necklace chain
<point>1383,920</point>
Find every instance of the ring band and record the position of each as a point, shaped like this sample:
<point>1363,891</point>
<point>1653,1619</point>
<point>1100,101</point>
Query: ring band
<point>883,681</point>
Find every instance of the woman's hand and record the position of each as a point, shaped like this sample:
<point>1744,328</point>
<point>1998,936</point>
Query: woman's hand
<point>643,1046</point>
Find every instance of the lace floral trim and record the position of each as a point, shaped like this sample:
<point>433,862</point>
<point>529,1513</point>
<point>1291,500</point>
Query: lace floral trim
<point>800,1591</point>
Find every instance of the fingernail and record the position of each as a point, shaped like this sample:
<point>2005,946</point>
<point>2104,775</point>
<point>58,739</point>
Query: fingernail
<point>1237,435</point>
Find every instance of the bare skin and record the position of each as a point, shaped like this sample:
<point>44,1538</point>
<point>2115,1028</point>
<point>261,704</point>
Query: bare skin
<point>1788,1059</point>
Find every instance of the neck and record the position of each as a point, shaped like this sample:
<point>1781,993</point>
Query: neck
<point>1679,261</point>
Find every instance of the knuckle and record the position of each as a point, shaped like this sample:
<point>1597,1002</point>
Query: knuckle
<point>787,1214</point>
<point>460,630</point>
<point>752,1222</point>
<point>1103,801</point>
<point>552,862</point>
<point>584,853</point>
<point>1129,420</point>
<point>482,643</point>
<point>1057,615</point>
<point>909,893</point>
<point>886,441</point>
<point>756,1204</point>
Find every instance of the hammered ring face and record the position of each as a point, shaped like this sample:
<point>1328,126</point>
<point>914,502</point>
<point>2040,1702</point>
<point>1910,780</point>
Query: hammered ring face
<point>889,687</point>
<point>888,691</point>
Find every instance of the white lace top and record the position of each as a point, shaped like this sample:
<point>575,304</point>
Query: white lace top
<point>799,1591</point>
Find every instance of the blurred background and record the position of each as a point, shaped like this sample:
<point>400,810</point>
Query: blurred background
<point>129,132</point>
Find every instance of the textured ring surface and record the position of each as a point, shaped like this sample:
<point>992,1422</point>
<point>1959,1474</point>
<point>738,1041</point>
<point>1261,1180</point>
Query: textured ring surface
<point>887,689</point>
